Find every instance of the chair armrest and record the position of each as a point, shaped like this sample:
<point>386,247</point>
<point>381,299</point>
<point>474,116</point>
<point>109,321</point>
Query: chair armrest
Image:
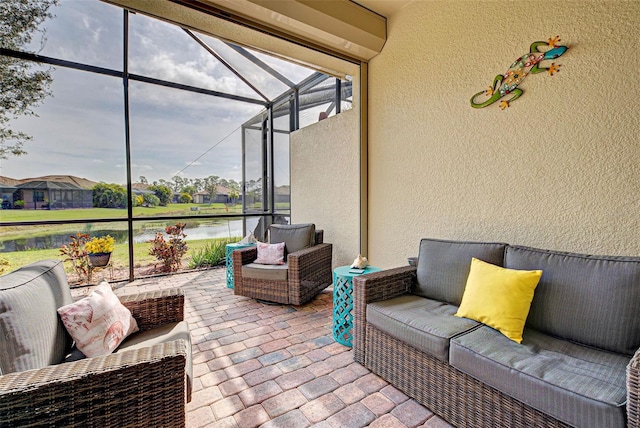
<point>375,287</point>
<point>633,391</point>
<point>242,256</point>
<point>155,308</point>
<point>137,387</point>
<point>307,261</point>
<point>309,272</point>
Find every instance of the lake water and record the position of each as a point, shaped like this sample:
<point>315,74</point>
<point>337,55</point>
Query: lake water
<point>233,228</point>
<point>205,230</point>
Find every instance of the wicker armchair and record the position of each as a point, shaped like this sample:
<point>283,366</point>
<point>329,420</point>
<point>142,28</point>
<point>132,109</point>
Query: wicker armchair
<point>306,273</point>
<point>137,386</point>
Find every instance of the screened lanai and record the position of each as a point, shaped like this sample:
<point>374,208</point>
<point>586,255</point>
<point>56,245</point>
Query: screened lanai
<point>138,105</point>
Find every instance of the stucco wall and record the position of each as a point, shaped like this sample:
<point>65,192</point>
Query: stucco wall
<point>325,183</point>
<point>559,169</point>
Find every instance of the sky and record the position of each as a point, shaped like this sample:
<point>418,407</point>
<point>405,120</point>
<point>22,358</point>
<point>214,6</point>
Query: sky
<point>80,129</point>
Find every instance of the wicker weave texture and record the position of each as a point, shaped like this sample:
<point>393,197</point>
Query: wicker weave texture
<point>633,391</point>
<point>373,288</point>
<point>155,308</point>
<point>309,273</point>
<point>458,398</point>
<point>135,388</point>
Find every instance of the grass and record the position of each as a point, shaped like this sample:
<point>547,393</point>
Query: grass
<point>212,254</point>
<point>9,216</point>
<point>119,257</point>
<point>206,252</point>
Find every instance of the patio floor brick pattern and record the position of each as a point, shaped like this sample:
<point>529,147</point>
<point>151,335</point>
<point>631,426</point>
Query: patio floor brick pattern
<point>275,366</point>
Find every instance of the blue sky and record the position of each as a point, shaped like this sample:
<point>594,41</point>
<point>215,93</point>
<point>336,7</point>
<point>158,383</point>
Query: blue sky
<point>80,130</point>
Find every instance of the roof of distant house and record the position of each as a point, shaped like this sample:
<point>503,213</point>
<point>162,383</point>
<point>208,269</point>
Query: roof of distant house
<point>50,185</point>
<point>220,190</point>
<point>71,179</point>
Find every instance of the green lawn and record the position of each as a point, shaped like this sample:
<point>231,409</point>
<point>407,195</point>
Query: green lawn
<point>82,213</point>
<point>119,257</point>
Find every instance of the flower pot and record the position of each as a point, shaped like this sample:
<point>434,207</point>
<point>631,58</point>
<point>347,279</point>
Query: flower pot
<point>99,259</point>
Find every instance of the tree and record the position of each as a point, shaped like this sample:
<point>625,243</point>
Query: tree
<point>234,195</point>
<point>109,196</point>
<point>163,193</point>
<point>233,185</point>
<point>23,88</point>
<point>211,186</point>
<point>143,180</point>
<point>177,183</point>
<point>190,190</point>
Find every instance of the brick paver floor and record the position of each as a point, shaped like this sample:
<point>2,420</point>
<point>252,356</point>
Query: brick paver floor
<point>260,365</point>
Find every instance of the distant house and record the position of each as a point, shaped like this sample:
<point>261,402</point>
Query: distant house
<point>222,196</point>
<point>283,194</point>
<point>141,192</point>
<point>41,194</point>
<point>6,193</point>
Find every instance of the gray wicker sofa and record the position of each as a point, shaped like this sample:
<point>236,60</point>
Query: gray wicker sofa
<point>146,382</point>
<point>579,361</point>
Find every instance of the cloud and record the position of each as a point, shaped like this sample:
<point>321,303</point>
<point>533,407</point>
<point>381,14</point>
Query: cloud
<point>80,130</point>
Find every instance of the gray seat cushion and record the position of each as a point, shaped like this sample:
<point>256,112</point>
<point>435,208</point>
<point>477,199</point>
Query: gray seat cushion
<point>166,333</point>
<point>592,300</point>
<point>32,335</point>
<point>425,324</point>
<point>296,237</point>
<point>266,272</point>
<point>443,266</point>
<point>581,386</point>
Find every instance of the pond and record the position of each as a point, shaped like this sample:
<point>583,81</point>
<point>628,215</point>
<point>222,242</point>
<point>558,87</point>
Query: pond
<point>49,239</point>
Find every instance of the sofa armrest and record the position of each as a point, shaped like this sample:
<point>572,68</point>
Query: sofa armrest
<point>242,256</point>
<point>633,391</point>
<point>375,287</point>
<point>138,387</point>
<point>155,308</point>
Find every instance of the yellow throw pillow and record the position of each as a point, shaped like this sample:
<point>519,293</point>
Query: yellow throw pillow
<point>499,297</point>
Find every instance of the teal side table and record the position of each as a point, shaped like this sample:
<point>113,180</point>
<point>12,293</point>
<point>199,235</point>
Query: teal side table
<point>229,260</point>
<point>343,302</point>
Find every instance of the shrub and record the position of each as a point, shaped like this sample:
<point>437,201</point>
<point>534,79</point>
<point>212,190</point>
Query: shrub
<point>109,196</point>
<point>163,193</point>
<point>18,204</point>
<point>150,200</point>
<point>170,252</point>
<point>76,253</point>
<point>212,254</point>
<point>185,198</point>
<point>136,200</point>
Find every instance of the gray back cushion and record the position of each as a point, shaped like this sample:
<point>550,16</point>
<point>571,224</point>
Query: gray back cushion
<point>443,266</point>
<point>593,300</point>
<point>296,237</point>
<point>32,335</point>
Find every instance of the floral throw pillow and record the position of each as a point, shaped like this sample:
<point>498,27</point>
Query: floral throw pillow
<point>98,323</point>
<point>270,254</point>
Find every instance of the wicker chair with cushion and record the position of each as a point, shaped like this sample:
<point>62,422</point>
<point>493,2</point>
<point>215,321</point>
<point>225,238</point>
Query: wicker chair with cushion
<point>306,272</point>
<point>146,382</point>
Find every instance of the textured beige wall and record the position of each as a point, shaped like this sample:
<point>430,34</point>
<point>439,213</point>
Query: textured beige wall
<point>325,181</point>
<point>559,169</point>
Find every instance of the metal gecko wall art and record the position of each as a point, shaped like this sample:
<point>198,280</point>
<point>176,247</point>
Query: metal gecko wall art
<point>528,63</point>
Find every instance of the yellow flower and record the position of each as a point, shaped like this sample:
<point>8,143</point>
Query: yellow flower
<point>104,244</point>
